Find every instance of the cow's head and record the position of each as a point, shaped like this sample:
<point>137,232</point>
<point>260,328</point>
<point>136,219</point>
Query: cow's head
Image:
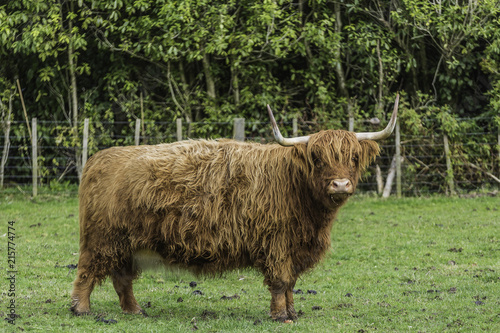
<point>335,158</point>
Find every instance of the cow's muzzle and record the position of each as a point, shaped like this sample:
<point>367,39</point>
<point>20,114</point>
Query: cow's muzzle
<point>340,186</point>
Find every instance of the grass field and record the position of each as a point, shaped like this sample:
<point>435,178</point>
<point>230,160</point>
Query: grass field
<point>409,265</point>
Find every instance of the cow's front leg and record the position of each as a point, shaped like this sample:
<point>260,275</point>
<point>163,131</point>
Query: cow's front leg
<point>278,301</point>
<point>292,314</point>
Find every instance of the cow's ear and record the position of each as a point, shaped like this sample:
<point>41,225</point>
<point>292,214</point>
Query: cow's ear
<point>369,151</point>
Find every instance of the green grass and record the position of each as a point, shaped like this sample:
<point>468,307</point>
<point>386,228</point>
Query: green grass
<point>409,265</point>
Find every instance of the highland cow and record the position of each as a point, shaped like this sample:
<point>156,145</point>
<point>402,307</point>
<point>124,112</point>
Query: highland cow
<point>213,206</point>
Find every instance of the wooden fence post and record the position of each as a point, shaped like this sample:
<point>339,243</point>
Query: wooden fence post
<point>179,129</point>
<point>137,134</point>
<point>239,129</point>
<point>449,167</point>
<point>34,157</point>
<point>295,128</point>
<point>85,144</point>
<point>380,182</point>
<point>350,114</point>
<point>398,160</point>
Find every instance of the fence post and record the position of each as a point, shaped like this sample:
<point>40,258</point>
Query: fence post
<point>85,144</point>
<point>295,128</point>
<point>398,160</point>
<point>351,123</point>
<point>350,114</point>
<point>137,131</point>
<point>380,182</point>
<point>499,151</point>
<point>239,129</point>
<point>179,129</point>
<point>34,157</point>
<point>449,168</point>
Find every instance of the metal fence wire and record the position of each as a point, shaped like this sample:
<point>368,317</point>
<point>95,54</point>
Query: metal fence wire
<point>431,163</point>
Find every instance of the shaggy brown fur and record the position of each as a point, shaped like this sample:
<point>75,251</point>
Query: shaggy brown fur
<point>213,206</point>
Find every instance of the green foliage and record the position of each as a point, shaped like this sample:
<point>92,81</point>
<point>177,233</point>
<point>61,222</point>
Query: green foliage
<point>209,62</point>
<point>447,122</point>
<point>251,53</point>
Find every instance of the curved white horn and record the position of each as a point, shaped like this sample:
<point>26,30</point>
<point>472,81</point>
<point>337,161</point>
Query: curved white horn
<point>387,131</point>
<point>277,134</point>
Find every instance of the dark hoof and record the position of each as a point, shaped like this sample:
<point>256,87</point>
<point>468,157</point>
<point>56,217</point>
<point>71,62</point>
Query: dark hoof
<point>284,320</point>
<point>281,319</point>
<point>136,311</point>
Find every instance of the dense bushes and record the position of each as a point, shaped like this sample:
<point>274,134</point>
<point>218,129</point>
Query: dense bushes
<point>211,61</point>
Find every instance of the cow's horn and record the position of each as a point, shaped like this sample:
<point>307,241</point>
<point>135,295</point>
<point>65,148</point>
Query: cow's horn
<point>277,134</point>
<point>387,131</point>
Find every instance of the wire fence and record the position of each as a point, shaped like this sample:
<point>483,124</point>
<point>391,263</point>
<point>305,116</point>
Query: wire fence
<point>473,158</point>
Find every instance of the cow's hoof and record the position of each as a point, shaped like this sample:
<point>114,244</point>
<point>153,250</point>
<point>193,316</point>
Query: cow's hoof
<point>281,319</point>
<point>292,315</point>
<point>135,311</point>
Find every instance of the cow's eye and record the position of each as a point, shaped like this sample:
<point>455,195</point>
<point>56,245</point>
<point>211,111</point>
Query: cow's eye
<point>319,164</point>
<point>355,159</point>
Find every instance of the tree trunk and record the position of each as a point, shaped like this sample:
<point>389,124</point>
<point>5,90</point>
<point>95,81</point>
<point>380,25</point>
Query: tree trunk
<point>337,53</point>
<point>236,86</point>
<point>188,114</point>
<point>74,96</point>
<point>340,70</point>
<point>208,77</point>
<point>380,97</point>
<point>143,132</point>
<point>24,108</point>
<point>390,179</point>
<point>183,105</point>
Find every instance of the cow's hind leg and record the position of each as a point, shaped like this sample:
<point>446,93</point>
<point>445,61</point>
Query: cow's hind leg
<point>83,285</point>
<point>122,281</point>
